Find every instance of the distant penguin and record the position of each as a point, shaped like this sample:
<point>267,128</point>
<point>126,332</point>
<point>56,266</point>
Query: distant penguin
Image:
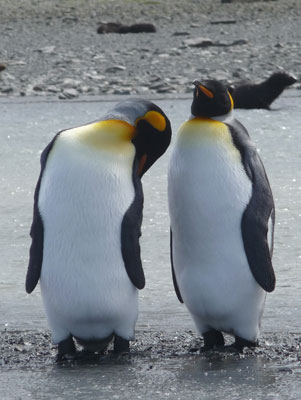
<point>261,95</point>
<point>116,27</point>
<point>87,222</point>
<point>222,220</point>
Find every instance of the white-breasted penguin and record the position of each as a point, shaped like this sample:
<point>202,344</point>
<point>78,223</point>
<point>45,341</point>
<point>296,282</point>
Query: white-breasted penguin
<point>87,222</point>
<point>222,220</point>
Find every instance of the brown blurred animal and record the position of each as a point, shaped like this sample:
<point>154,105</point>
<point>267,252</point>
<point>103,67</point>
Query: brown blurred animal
<point>250,95</point>
<point>115,27</point>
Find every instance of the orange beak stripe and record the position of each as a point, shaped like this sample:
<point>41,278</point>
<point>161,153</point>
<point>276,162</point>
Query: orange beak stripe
<point>206,91</point>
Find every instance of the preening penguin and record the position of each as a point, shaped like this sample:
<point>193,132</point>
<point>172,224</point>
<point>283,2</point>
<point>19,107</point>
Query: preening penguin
<point>87,222</point>
<point>222,219</point>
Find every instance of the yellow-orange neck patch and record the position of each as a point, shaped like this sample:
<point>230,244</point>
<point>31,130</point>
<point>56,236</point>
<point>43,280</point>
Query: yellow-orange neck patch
<point>155,119</point>
<point>108,134</point>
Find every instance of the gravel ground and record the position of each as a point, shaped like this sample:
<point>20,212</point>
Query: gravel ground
<point>33,349</point>
<point>51,48</point>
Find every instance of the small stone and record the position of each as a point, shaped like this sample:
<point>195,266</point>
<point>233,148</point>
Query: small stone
<point>6,89</point>
<point>239,42</point>
<point>181,34</point>
<point>71,83</point>
<point>223,21</point>
<point>46,50</point>
<point>53,89</point>
<point>38,88</point>
<point>286,369</point>
<point>69,19</point>
<point>69,93</point>
<point>123,91</point>
<point>115,68</point>
<point>85,89</point>
<point>198,42</point>
<point>166,89</point>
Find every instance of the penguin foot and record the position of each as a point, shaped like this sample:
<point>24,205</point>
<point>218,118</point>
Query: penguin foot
<point>240,343</point>
<point>213,339</point>
<point>121,345</point>
<point>94,345</point>
<point>66,350</point>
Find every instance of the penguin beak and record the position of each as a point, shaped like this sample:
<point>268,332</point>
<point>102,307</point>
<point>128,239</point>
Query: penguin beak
<point>203,89</point>
<point>141,165</point>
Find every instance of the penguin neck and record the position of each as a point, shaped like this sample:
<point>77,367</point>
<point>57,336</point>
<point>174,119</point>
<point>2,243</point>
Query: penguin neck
<point>226,118</point>
<point>108,134</point>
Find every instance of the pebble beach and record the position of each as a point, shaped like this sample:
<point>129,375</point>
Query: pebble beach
<point>52,48</point>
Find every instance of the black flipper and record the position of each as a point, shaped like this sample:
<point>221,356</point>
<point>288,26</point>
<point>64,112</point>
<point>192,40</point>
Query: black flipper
<point>175,283</point>
<point>37,230</point>
<point>255,220</point>
<point>131,232</point>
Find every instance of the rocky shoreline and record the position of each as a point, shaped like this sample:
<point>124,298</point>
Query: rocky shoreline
<point>52,49</point>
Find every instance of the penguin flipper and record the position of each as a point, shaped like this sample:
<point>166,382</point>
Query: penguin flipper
<point>130,234</point>
<point>37,230</point>
<point>255,224</point>
<point>258,215</point>
<point>175,283</point>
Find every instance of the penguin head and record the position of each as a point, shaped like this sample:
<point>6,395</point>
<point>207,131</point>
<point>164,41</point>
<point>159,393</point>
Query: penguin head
<point>211,99</point>
<point>152,130</point>
<point>281,80</point>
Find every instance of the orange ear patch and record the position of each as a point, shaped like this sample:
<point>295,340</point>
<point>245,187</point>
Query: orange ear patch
<point>154,118</point>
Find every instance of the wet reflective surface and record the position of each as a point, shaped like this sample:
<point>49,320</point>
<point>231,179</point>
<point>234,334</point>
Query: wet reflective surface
<point>25,129</point>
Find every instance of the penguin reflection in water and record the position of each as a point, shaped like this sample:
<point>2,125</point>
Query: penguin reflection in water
<point>87,223</point>
<point>222,218</point>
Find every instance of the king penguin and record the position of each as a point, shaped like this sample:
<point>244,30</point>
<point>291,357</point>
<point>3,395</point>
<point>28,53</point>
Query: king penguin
<point>86,226</point>
<point>222,221</point>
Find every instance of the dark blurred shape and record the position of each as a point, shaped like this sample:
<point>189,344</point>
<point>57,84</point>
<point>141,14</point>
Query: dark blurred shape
<point>251,95</point>
<point>244,1</point>
<point>115,27</point>
<point>223,21</point>
<point>2,67</point>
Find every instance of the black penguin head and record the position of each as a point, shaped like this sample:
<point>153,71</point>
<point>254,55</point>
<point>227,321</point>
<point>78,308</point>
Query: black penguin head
<point>281,80</point>
<point>153,135</point>
<point>211,99</point>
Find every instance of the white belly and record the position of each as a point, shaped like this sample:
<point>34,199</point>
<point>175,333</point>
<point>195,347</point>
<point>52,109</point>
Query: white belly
<point>83,197</point>
<point>208,191</point>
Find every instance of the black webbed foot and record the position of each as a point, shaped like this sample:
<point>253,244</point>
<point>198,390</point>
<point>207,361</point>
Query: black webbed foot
<point>66,350</point>
<point>213,339</point>
<point>240,343</point>
<point>121,345</point>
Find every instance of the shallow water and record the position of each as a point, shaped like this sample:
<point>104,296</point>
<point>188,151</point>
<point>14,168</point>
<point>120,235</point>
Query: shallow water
<point>182,379</point>
<point>25,129</point>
